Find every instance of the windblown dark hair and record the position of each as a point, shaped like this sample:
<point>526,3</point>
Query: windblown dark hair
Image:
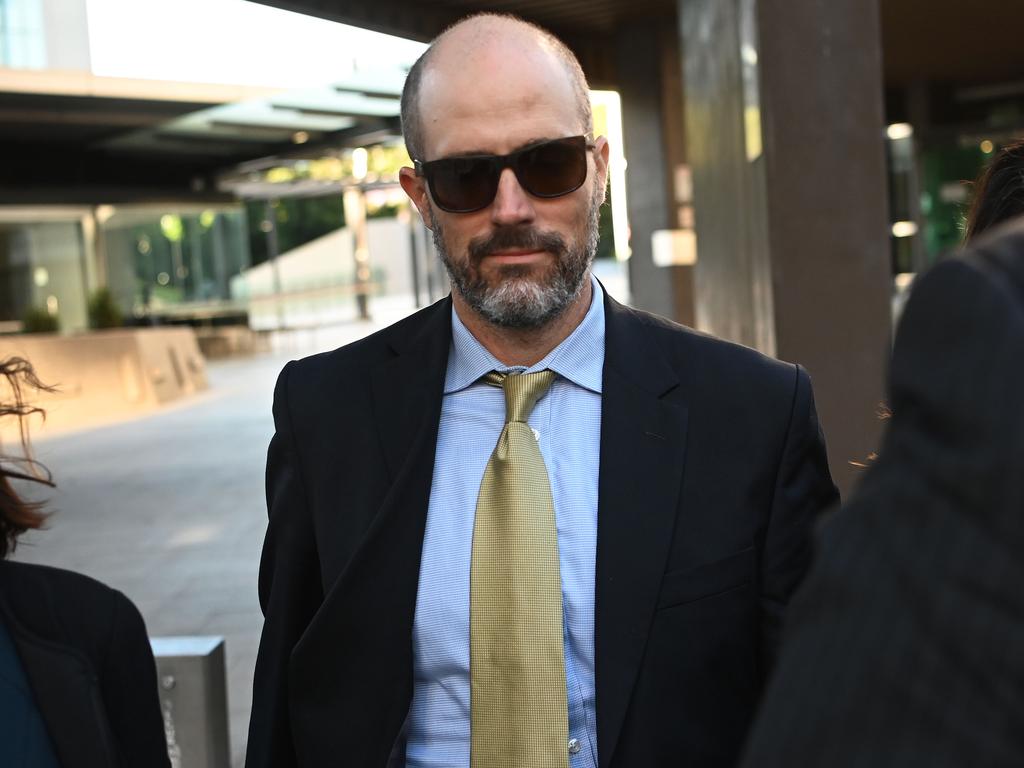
<point>998,192</point>
<point>18,515</point>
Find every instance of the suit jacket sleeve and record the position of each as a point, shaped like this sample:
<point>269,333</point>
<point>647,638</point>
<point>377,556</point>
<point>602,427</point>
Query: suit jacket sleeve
<point>289,589</point>
<point>803,489</point>
<point>130,689</point>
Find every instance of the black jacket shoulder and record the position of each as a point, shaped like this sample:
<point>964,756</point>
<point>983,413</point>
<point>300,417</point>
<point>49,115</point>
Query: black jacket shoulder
<point>62,606</point>
<point>380,345</point>
<point>86,654</point>
<point>704,363</point>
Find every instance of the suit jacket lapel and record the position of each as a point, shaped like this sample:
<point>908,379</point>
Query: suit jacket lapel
<point>407,389</point>
<point>643,437</point>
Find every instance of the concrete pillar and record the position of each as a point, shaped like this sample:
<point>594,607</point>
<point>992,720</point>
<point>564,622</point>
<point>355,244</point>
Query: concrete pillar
<point>66,31</point>
<point>355,221</point>
<point>680,194</point>
<point>651,87</point>
<point>785,136</point>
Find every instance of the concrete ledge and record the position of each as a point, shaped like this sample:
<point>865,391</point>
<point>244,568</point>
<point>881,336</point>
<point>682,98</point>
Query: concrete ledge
<point>104,376</point>
<point>231,340</point>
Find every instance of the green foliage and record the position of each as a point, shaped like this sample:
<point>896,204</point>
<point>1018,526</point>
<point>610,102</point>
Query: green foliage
<point>103,310</point>
<point>38,320</point>
<point>386,211</point>
<point>298,220</point>
<point>172,227</point>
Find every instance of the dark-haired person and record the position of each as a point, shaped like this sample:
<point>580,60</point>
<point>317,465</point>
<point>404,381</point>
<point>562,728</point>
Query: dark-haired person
<point>77,679</point>
<point>905,646</point>
<point>527,527</point>
<point>999,191</point>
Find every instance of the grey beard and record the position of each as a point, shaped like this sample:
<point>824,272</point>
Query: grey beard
<point>519,301</point>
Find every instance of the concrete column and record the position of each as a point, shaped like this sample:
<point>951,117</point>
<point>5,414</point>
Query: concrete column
<point>66,31</point>
<point>785,135</point>
<point>680,200</point>
<point>269,228</point>
<point>647,175</point>
<point>220,265</point>
<point>355,221</point>
<point>93,252</point>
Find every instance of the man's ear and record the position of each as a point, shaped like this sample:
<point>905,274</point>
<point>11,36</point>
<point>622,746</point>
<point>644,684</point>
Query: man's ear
<point>416,188</point>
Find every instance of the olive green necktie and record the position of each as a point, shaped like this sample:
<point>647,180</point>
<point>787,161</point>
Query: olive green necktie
<point>519,711</point>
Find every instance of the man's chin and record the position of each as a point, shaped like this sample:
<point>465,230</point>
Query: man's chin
<point>521,303</point>
<point>523,284</point>
<point>499,274</point>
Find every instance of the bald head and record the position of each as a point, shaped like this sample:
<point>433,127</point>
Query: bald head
<point>481,52</point>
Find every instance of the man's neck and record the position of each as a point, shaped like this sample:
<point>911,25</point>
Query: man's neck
<point>524,346</point>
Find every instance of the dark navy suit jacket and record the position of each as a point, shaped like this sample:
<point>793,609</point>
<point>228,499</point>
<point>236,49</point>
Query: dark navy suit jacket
<point>712,472</point>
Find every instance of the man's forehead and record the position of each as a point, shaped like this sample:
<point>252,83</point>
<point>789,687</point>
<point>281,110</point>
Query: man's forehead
<point>494,89</point>
<point>507,55</point>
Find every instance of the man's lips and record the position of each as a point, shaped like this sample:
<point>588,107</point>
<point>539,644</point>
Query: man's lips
<point>516,256</point>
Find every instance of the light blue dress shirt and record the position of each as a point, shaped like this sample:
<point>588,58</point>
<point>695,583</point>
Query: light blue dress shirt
<point>568,420</point>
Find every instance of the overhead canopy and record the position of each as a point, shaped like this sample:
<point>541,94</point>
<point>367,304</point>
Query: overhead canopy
<point>587,26</point>
<point>105,140</point>
<point>939,40</point>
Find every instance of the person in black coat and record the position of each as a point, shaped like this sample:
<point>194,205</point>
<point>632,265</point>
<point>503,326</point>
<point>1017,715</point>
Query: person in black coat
<point>905,647</point>
<point>78,682</point>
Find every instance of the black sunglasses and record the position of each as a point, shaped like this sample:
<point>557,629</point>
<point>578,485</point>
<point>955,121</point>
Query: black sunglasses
<point>466,184</point>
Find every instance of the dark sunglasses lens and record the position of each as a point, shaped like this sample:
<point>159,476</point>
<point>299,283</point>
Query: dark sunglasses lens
<point>463,184</point>
<point>553,169</point>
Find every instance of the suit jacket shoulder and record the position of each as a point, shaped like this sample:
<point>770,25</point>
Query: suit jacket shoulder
<point>87,657</point>
<point>702,362</point>
<point>318,373</point>
<point>59,605</point>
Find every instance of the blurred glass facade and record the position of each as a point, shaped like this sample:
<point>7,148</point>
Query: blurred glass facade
<point>43,269</point>
<point>159,264</point>
<point>166,263</point>
<point>22,34</point>
<point>942,138</point>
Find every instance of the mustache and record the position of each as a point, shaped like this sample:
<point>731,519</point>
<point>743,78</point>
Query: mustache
<point>520,237</point>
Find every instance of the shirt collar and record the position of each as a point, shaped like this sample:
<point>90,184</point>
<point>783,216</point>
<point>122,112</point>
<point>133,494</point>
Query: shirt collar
<point>579,358</point>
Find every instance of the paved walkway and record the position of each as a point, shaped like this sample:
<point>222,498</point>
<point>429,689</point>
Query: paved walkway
<point>170,509</point>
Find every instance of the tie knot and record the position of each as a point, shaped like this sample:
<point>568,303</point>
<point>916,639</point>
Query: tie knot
<point>522,391</point>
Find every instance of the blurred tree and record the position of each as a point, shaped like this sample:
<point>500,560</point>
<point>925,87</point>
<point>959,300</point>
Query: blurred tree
<point>385,211</point>
<point>39,320</point>
<point>103,310</point>
<point>298,221</point>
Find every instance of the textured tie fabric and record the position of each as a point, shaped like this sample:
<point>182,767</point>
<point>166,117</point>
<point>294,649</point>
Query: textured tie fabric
<point>519,710</point>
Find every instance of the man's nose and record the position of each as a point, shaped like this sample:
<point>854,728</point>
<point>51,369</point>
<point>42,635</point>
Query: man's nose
<point>512,204</point>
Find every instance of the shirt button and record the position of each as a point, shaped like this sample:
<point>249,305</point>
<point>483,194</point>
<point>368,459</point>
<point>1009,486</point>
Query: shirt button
<point>574,746</point>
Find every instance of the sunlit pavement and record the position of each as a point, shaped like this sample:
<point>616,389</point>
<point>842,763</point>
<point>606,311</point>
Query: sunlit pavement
<point>170,508</point>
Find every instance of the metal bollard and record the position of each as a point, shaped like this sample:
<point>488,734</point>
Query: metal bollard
<point>193,699</point>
